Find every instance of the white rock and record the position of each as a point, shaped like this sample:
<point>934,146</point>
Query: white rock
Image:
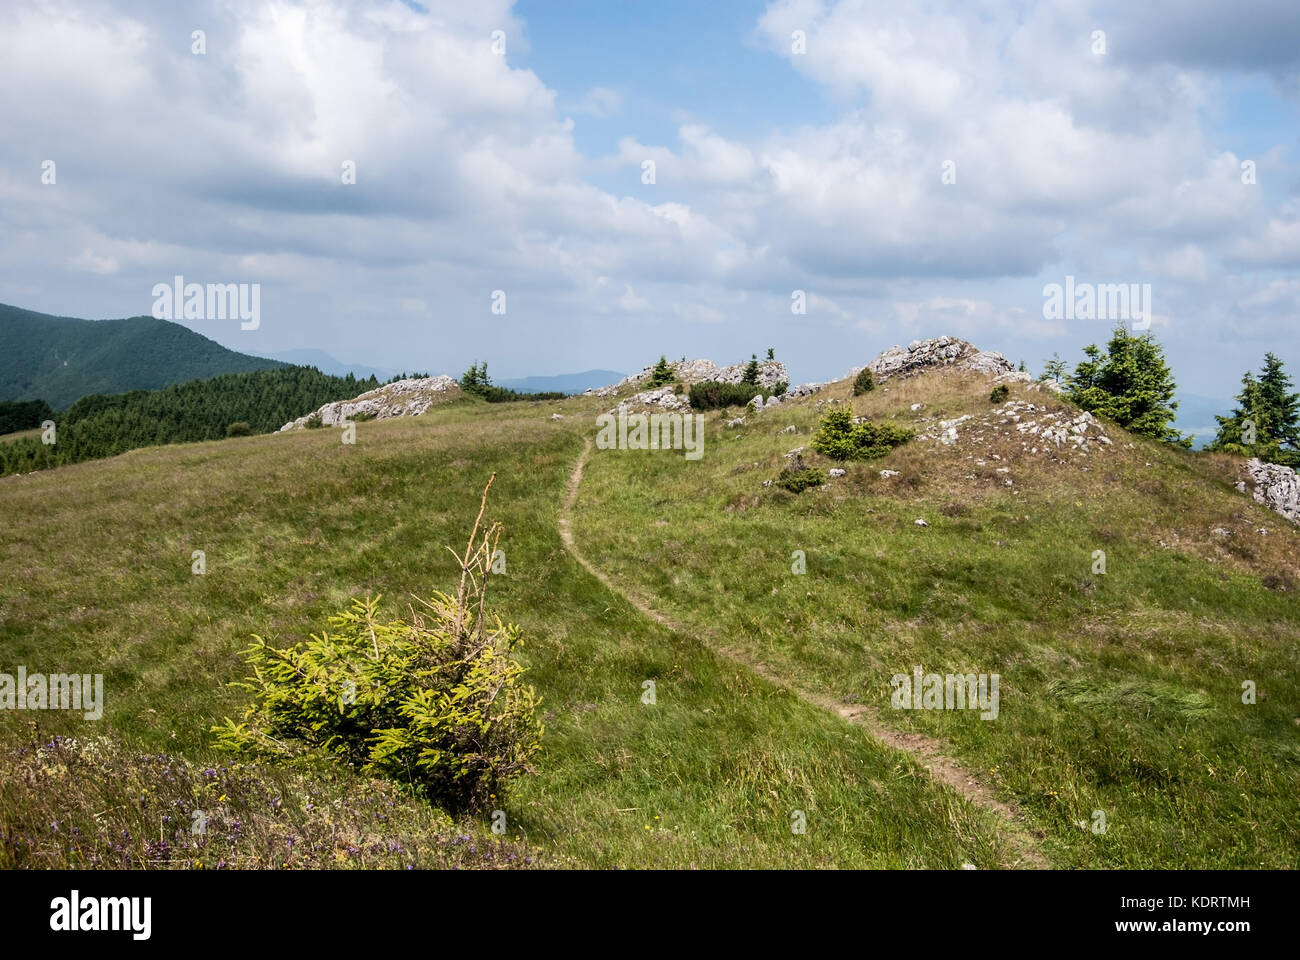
<point>770,373</point>
<point>402,398</point>
<point>662,397</point>
<point>1275,486</point>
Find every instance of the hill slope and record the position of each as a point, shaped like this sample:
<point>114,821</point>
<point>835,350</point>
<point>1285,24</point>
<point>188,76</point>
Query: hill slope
<point>1126,595</point>
<point>62,359</point>
<point>1121,690</point>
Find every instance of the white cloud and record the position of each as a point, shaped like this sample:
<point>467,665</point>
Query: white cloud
<point>699,313</point>
<point>1186,263</point>
<point>469,178</point>
<point>599,102</point>
<point>90,262</point>
<point>630,302</point>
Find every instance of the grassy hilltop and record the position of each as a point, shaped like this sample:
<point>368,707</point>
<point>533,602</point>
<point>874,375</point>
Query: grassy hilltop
<point>1120,692</point>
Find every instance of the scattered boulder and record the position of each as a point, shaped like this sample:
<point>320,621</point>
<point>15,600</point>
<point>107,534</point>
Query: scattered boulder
<point>948,429</point>
<point>802,390</point>
<point>662,398</point>
<point>1040,430</point>
<point>837,471</point>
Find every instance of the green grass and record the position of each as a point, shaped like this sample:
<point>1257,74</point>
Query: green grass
<point>95,561</point>
<point>1119,692</point>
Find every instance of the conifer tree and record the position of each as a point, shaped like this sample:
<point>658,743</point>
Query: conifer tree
<point>1054,369</point>
<point>1264,422</point>
<point>661,374</point>
<point>1131,384</point>
<point>1282,405</point>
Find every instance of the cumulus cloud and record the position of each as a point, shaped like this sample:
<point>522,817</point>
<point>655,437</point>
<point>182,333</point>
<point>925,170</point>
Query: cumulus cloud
<point>972,149</point>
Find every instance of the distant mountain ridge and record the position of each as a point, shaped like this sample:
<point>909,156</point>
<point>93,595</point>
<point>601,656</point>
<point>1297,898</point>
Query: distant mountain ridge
<point>325,363</point>
<point>563,382</point>
<point>62,359</point>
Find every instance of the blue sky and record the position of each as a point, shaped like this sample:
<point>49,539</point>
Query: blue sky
<point>776,171</point>
<point>673,62</point>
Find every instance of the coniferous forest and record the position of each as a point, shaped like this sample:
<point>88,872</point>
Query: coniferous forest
<point>105,425</point>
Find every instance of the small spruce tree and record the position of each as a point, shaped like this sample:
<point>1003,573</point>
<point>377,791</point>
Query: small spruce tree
<point>1131,384</point>
<point>661,374</point>
<point>1263,423</point>
<point>1054,369</point>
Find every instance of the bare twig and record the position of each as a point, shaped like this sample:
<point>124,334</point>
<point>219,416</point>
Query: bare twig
<point>469,550</point>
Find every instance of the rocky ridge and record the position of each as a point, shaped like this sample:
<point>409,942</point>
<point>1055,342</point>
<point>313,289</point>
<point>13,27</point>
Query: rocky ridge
<point>770,373</point>
<point>922,355</point>
<point>402,398</point>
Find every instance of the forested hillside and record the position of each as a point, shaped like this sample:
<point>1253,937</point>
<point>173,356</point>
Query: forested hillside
<point>61,359</point>
<point>102,426</point>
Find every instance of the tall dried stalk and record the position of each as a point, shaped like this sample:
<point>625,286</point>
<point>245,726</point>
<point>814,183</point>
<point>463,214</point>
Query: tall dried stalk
<point>475,563</point>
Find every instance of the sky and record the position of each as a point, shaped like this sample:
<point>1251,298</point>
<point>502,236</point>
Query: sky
<point>914,169</point>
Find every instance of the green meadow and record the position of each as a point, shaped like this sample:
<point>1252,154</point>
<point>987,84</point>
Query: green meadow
<point>1120,692</point>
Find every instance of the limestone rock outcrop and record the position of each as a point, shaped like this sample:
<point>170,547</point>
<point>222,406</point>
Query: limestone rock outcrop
<point>1275,486</point>
<point>402,398</point>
